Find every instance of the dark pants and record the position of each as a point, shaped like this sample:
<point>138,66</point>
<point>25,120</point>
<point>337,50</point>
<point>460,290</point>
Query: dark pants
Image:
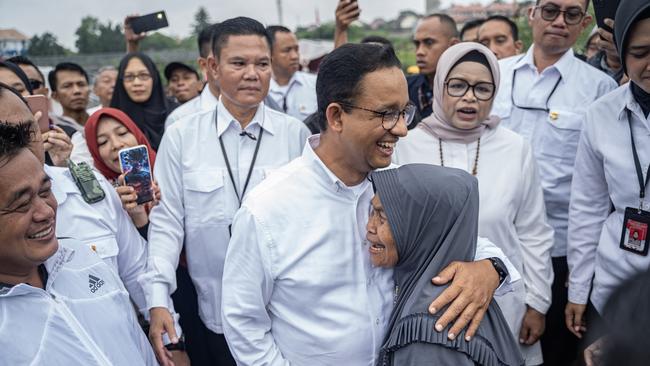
<point>219,351</point>
<point>559,346</point>
<point>187,307</point>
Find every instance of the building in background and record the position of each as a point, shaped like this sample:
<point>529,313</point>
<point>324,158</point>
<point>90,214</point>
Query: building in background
<point>12,43</point>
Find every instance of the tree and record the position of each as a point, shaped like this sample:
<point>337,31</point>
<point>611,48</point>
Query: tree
<point>45,45</point>
<point>94,36</point>
<point>158,41</point>
<point>201,20</point>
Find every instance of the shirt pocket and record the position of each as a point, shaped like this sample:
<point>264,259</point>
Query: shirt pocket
<point>106,247</point>
<point>560,135</point>
<point>205,197</point>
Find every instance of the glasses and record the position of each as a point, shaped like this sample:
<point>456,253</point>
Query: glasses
<point>389,118</point>
<point>143,76</point>
<point>35,84</point>
<point>529,108</point>
<point>459,87</point>
<point>571,16</point>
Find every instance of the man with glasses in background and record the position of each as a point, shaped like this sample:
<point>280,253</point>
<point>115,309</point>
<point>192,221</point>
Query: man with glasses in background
<point>543,96</point>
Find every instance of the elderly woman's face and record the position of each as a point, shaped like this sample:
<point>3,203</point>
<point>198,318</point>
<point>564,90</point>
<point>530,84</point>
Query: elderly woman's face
<point>466,107</point>
<point>638,55</point>
<point>112,136</point>
<point>383,252</point>
<point>138,81</point>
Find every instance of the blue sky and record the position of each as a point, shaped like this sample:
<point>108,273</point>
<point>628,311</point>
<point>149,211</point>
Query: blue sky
<point>62,17</point>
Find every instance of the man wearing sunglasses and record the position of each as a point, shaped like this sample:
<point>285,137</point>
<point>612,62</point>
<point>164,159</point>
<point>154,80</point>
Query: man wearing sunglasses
<point>543,96</point>
<point>34,75</point>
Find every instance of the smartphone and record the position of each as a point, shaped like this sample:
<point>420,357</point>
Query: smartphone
<point>40,103</point>
<point>605,9</point>
<point>134,163</point>
<point>149,22</point>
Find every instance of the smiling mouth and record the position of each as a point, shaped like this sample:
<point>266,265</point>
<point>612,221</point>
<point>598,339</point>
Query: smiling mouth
<point>377,248</point>
<point>42,234</point>
<point>386,147</point>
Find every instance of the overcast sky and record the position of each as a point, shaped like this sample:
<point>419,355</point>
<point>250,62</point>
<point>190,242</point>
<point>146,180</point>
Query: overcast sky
<point>62,17</point>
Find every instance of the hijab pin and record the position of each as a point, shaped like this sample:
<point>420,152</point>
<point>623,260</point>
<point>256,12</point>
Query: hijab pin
<point>554,115</point>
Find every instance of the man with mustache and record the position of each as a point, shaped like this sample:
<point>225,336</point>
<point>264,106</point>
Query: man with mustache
<point>544,95</point>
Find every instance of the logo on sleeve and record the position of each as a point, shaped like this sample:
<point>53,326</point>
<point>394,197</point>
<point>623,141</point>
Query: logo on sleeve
<point>94,283</point>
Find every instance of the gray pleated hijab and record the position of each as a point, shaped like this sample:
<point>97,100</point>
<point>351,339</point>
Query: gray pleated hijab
<point>433,215</point>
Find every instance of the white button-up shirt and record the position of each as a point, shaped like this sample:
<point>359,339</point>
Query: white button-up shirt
<point>512,213</point>
<point>199,201</point>
<point>553,135</point>
<point>605,178</point>
<point>299,93</point>
<point>82,317</point>
<point>104,227</point>
<point>299,287</point>
<point>206,101</point>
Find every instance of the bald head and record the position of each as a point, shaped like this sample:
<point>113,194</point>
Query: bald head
<point>433,35</point>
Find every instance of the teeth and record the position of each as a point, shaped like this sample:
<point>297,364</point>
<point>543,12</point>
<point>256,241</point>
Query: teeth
<point>387,145</point>
<point>41,234</point>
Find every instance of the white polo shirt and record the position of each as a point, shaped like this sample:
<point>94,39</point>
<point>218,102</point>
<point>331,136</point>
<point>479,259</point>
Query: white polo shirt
<point>299,94</point>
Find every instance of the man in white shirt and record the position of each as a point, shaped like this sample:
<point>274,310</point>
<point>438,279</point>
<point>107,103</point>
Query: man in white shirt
<point>207,163</point>
<point>292,91</point>
<point>207,100</point>
<point>66,306</point>
<point>298,285</point>
<point>543,96</point>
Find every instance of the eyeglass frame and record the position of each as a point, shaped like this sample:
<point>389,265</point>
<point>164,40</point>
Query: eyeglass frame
<point>560,11</point>
<point>140,76</point>
<point>383,115</point>
<point>470,86</point>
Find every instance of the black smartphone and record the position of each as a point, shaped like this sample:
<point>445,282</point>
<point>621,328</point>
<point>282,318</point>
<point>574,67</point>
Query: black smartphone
<point>149,22</point>
<point>134,162</point>
<point>605,9</point>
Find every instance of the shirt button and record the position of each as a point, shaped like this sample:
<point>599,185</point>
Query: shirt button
<point>377,321</point>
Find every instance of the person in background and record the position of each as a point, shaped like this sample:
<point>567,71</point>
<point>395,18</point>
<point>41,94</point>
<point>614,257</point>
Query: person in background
<point>501,35</point>
<point>591,46</point>
<point>209,97</point>
<point>34,75</point>
<point>69,84</point>
<point>544,95</point>
<point>469,31</point>
<point>139,93</point>
<point>609,212</point>
<point>433,35</point>
<point>103,86</point>
<point>292,91</point>
<point>512,212</point>
<point>423,217</point>
<point>12,75</point>
<point>607,58</point>
<point>183,81</point>
<point>347,11</point>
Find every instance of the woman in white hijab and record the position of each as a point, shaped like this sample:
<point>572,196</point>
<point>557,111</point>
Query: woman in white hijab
<point>461,134</point>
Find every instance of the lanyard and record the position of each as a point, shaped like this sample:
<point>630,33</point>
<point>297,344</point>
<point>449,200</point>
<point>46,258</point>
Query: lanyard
<point>546,108</point>
<point>637,165</point>
<point>284,98</point>
<point>225,156</point>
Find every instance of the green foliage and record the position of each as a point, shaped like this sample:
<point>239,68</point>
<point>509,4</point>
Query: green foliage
<point>46,45</point>
<point>158,41</point>
<point>201,20</point>
<point>96,37</point>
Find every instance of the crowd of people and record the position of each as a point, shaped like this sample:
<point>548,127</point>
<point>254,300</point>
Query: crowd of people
<point>287,224</point>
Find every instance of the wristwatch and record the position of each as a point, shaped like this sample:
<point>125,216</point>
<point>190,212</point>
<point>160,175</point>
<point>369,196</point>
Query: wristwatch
<point>500,267</point>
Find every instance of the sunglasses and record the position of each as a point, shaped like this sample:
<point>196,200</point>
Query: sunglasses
<point>35,84</point>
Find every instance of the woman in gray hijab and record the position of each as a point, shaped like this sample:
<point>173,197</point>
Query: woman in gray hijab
<point>423,217</point>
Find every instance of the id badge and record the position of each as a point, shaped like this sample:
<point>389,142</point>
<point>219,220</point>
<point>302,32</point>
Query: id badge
<point>636,226</point>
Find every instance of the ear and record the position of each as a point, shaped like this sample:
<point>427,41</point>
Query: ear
<point>454,41</point>
<point>203,66</point>
<point>531,14</point>
<point>213,66</point>
<point>519,46</point>
<point>334,114</point>
<point>55,96</point>
<point>586,21</point>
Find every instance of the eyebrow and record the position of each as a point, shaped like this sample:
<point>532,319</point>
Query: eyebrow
<point>638,48</point>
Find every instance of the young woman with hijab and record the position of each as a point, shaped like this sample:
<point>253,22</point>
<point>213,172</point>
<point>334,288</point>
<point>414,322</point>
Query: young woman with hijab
<point>140,94</point>
<point>609,214</point>
<point>461,134</point>
<point>423,217</point>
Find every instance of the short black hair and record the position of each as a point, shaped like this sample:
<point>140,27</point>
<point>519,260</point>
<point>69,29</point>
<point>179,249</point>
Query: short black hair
<point>205,39</point>
<point>13,137</point>
<point>22,60</point>
<point>19,73</point>
<point>446,20</point>
<point>239,26</point>
<point>65,66</point>
<point>586,4</point>
<point>342,71</point>
<point>273,29</point>
<point>470,25</point>
<point>377,39</point>
<point>514,30</point>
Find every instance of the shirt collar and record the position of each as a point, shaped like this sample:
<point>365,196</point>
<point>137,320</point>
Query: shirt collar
<point>563,65</point>
<point>61,188</point>
<point>262,118</point>
<point>630,105</point>
<point>309,153</point>
<point>296,78</point>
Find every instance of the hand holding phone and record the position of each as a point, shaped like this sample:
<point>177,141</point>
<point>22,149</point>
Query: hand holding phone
<point>134,163</point>
<point>605,9</point>
<point>347,12</point>
<point>146,23</point>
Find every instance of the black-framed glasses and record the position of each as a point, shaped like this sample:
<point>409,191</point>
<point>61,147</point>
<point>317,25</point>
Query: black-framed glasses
<point>143,76</point>
<point>528,108</point>
<point>389,118</point>
<point>35,84</point>
<point>572,16</point>
<point>458,87</point>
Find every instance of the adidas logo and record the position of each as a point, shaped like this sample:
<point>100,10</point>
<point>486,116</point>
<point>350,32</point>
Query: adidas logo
<point>94,283</point>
